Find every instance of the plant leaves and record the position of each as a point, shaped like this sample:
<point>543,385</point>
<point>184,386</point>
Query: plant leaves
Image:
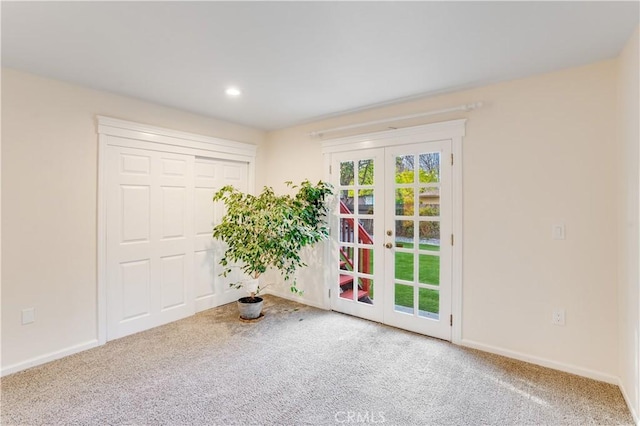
<point>269,230</point>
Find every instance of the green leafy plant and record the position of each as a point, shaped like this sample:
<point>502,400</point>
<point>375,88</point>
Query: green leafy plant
<point>269,231</point>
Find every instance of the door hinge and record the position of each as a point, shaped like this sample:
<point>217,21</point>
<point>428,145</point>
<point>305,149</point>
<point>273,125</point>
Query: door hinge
<point>451,320</point>
<point>452,159</point>
<point>451,239</point>
<point>330,169</point>
<point>329,293</point>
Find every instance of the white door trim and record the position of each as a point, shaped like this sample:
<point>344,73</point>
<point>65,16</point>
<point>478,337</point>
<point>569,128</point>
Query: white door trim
<point>173,138</point>
<point>424,133</point>
<point>453,130</point>
<point>114,132</point>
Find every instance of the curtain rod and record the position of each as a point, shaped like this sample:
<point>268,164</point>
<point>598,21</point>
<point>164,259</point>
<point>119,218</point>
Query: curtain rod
<point>464,107</point>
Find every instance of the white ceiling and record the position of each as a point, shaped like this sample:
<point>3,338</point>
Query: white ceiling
<point>299,61</point>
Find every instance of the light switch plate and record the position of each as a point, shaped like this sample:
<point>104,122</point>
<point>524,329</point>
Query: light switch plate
<point>28,316</point>
<point>558,231</point>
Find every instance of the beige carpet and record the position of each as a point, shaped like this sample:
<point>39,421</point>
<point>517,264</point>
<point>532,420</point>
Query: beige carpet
<point>299,365</point>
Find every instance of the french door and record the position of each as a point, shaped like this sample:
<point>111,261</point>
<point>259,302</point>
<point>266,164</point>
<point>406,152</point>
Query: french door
<point>392,236</point>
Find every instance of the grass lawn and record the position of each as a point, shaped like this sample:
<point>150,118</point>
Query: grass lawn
<point>428,273</point>
<point>429,268</point>
<point>428,300</point>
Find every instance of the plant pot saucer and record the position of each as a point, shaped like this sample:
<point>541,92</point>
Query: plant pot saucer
<point>252,320</point>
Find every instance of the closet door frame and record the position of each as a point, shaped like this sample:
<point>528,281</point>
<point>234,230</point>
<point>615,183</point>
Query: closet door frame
<point>127,134</point>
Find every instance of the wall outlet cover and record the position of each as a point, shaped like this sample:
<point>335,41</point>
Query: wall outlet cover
<point>558,317</point>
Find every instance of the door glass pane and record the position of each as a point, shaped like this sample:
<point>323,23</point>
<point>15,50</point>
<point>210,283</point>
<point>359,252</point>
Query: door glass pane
<point>429,199</point>
<point>346,230</point>
<point>365,201</point>
<point>365,261</point>
<point>365,231</point>
<point>404,169</point>
<point>346,173</point>
<point>346,197</point>
<point>365,292</point>
<point>346,258</point>
<point>429,232</point>
<point>428,303</point>
<point>403,298</point>
<point>365,172</point>
<point>429,245</point>
<point>404,201</point>
<point>429,167</point>
<point>346,285</point>
<point>404,233</point>
<point>404,266</point>
<point>429,269</point>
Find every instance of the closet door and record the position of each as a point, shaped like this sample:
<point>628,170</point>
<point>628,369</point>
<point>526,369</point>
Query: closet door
<point>210,175</point>
<point>157,260</point>
<point>150,239</point>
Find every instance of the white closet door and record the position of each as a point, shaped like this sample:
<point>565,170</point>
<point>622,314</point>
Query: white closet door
<point>150,239</point>
<point>210,175</point>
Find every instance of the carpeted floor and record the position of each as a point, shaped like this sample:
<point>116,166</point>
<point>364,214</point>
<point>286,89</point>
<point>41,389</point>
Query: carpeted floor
<point>297,366</point>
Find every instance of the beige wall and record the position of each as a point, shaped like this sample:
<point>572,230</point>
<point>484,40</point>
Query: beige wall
<point>49,190</point>
<point>629,296</point>
<point>542,150</point>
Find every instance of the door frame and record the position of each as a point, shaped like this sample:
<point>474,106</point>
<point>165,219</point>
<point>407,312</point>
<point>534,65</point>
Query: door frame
<point>127,134</point>
<point>453,130</point>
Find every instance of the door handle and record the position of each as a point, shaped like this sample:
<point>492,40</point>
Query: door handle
<point>389,245</point>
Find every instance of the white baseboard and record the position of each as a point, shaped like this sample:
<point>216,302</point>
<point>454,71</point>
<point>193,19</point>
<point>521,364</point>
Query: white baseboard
<point>52,356</point>
<point>567,368</point>
<point>632,408</point>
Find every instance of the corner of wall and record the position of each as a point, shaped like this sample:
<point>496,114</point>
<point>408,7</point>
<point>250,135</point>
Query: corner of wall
<point>628,112</point>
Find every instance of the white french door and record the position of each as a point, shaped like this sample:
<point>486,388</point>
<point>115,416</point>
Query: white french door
<point>391,236</point>
<point>357,234</point>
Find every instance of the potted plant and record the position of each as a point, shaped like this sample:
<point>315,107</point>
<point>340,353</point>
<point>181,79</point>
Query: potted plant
<point>269,231</point>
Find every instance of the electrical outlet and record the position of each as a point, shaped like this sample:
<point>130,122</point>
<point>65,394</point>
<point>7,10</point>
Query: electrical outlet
<point>558,317</point>
<point>28,316</point>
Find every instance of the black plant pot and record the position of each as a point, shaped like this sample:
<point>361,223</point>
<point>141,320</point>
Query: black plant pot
<point>250,307</point>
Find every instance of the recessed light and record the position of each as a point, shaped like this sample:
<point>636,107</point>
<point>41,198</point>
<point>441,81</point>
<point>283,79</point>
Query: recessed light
<point>233,91</point>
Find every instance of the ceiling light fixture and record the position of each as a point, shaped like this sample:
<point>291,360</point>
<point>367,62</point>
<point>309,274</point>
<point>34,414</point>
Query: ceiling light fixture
<point>233,91</point>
